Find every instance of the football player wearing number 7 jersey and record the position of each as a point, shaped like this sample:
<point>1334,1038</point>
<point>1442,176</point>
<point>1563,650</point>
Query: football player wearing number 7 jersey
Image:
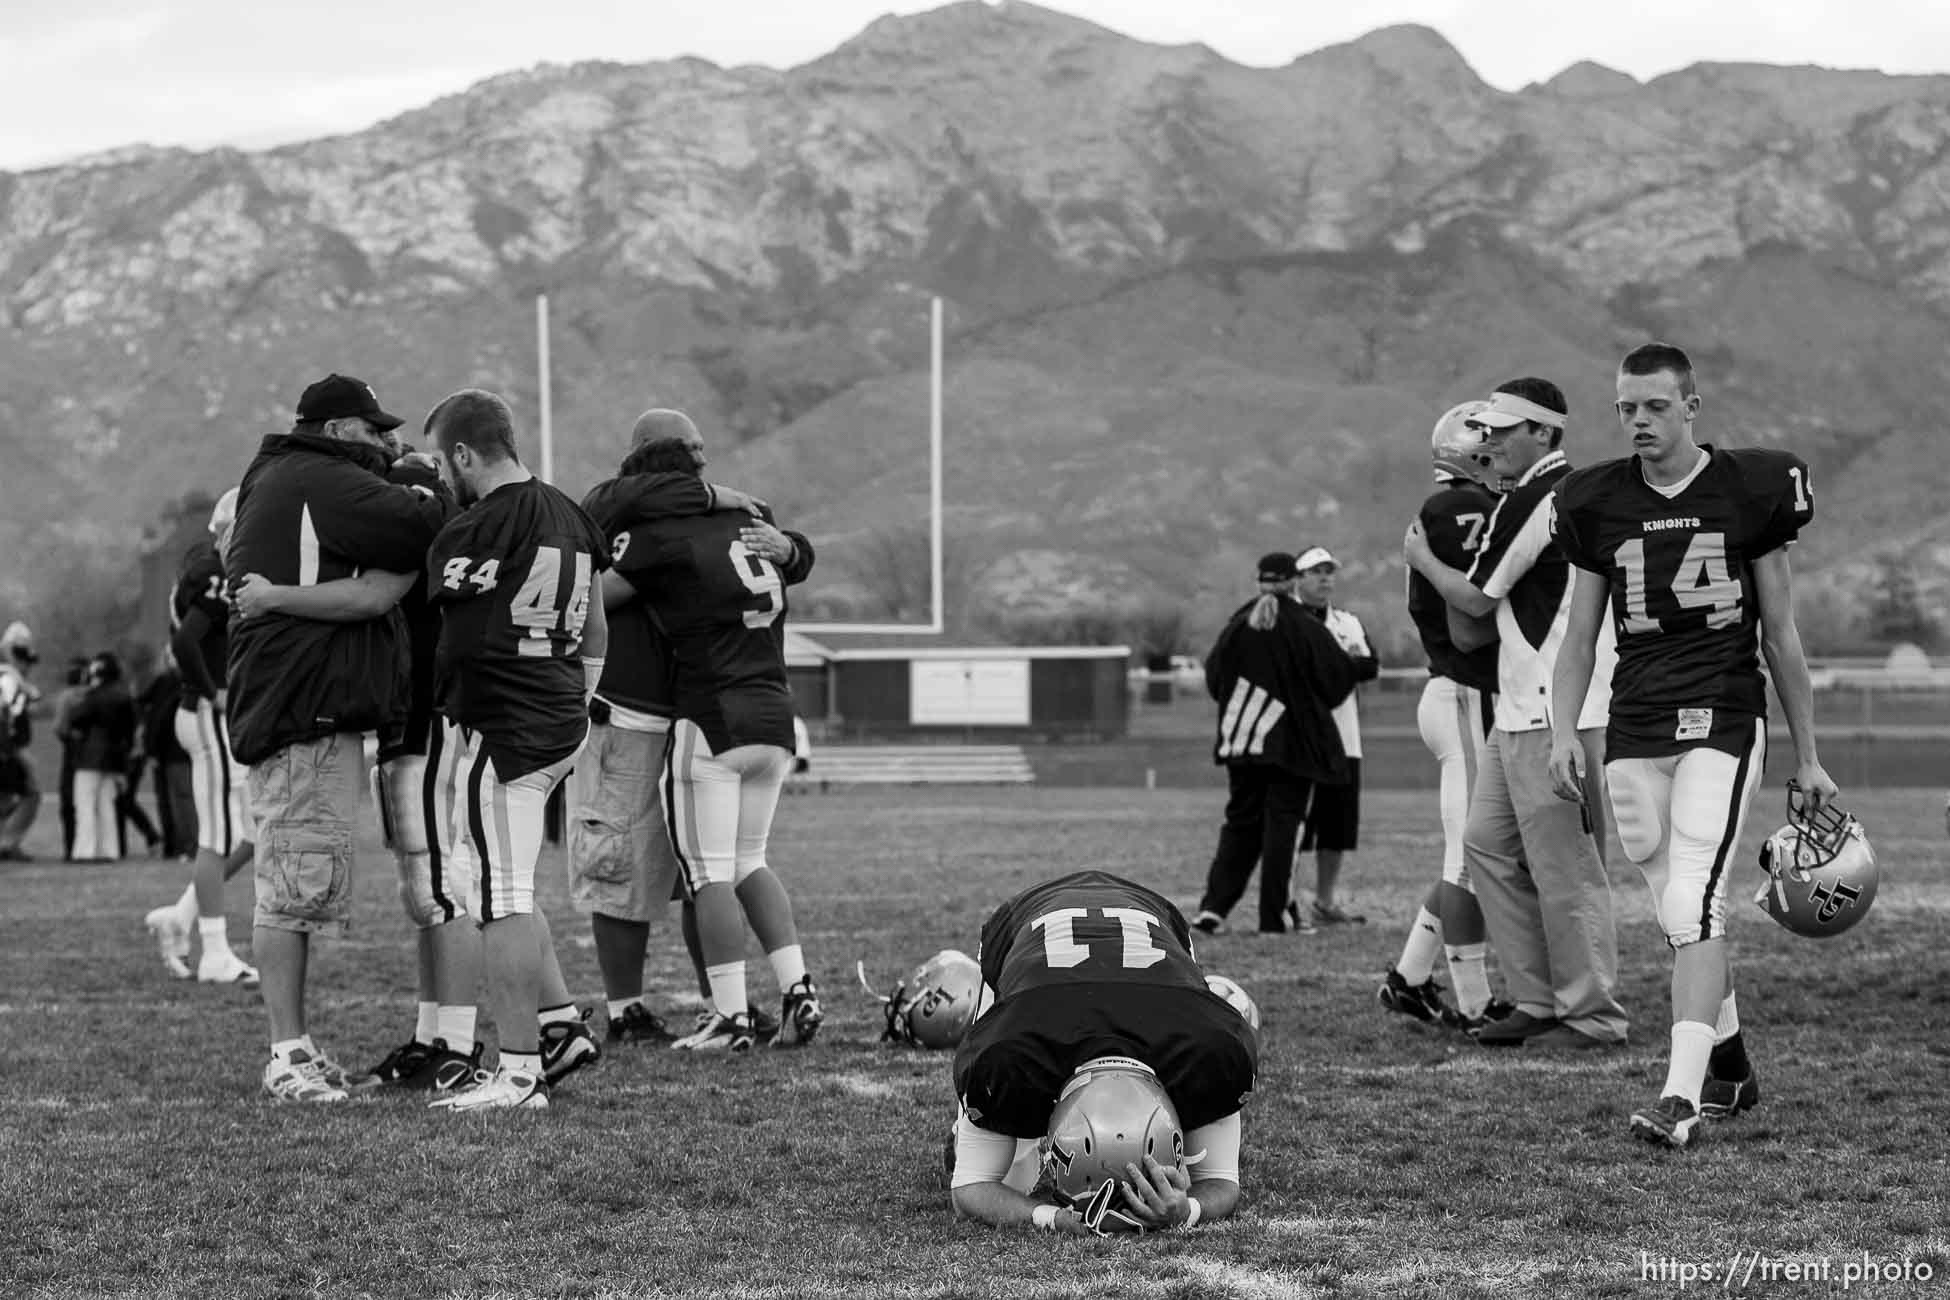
<point>1685,545</point>
<point>520,651</point>
<point>1102,1080</point>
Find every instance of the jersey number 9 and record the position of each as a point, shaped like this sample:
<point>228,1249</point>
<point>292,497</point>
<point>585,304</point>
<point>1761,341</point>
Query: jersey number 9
<point>761,578</point>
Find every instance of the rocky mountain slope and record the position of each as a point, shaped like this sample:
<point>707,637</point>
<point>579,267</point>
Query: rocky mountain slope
<point>1197,309</point>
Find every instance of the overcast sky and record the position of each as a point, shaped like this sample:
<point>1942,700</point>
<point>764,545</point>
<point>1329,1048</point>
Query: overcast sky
<point>77,76</point>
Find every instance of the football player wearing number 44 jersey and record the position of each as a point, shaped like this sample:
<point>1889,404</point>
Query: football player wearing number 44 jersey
<point>520,651</point>
<point>1687,545</point>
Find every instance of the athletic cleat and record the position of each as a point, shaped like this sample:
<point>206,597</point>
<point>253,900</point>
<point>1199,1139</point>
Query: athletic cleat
<point>225,968</point>
<point>799,1015</point>
<point>1668,1122</point>
<point>638,1024</point>
<point>1496,1009</point>
<point>1209,923</point>
<point>567,1046</point>
<point>721,1034</point>
<point>1725,1098</point>
<point>501,1089</point>
<point>1416,1001</point>
<point>765,1025</point>
<point>1334,914</point>
<point>173,939</point>
<point>403,1064</point>
<point>301,1078</point>
<point>353,1082</point>
<point>447,1071</point>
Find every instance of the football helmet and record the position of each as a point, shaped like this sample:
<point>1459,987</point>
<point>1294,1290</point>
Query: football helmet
<point>1236,996</point>
<point>1112,1112</point>
<point>1821,870</point>
<point>1457,448</point>
<point>935,1005</point>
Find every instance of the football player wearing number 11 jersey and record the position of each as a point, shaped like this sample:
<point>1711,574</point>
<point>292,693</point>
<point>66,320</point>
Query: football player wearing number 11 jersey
<point>520,651</point>
<point>1687,545</point>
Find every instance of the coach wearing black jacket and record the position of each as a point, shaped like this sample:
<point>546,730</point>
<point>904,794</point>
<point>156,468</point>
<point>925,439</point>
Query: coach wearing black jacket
<point>323,502</point>
<point>1277,675</point>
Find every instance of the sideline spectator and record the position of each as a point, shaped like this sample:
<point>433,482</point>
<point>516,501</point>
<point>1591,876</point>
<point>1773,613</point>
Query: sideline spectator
<point>1334,823</point>
<point>103,726</point>
<point>20,787</point>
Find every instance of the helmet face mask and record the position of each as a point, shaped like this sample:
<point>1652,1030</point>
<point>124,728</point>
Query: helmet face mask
<point>934,1006</point>
<point>1822,872</point>
<point>1111,1113</point>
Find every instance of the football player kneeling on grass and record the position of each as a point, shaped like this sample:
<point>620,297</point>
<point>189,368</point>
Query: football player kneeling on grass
<point>1101,1085</point>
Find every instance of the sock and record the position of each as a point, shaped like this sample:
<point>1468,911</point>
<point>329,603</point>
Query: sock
<point>727,987</point>
<point>525,1062</point>
<point>1729,1020</point>
<point>618,1006</point>
<point>1692,1044</point>
<point>1729,1060</point>
<point>456,1026</point>
<point>566,1014</point>
<point>1417,961</point>
<point>426,1026</point>
<point>216,935</point>
<point>283,1049</point>
<point>788,965</point>
<point>1469,976</point>
<point>186,910</point>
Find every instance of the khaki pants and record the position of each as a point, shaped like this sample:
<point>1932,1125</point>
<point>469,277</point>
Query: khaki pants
<point>1547,901</point>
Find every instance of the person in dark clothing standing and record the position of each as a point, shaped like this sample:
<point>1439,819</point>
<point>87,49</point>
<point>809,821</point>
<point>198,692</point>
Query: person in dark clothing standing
<point>1277,674</point>
<point>175,802</point>
<point>103,726</point>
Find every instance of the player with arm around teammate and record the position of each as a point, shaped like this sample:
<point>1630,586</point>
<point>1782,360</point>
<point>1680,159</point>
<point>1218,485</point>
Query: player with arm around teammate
<point>1683,545</point>
<point>1453,717</point>
<point>1100,1088</point>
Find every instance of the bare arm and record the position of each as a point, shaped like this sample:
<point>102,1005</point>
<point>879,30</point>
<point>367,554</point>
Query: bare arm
<point>1780,641</point>
<point>1577,655</point>
<point>617,590</point>
<point>1451,583</point>
<point>1468,632</point>
<point>343,600</point>
<point>595,645</point>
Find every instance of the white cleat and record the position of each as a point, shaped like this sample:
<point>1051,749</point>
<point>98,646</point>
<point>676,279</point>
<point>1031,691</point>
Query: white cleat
<point>501,1089</point>
<point>172,939</point>
<point>225,968</point>
<point>300,1079</point>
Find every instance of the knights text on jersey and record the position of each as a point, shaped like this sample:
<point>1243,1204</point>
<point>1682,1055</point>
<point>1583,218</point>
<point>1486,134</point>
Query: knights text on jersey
<point>1681,573</point>
<point>512,578</point>
<point>722,612</point>
<point>1455,519</point>
<point>200,586</point>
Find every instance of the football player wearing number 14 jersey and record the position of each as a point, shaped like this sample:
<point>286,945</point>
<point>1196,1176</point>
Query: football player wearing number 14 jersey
<point>1687,545</point>
<point>520,651</point>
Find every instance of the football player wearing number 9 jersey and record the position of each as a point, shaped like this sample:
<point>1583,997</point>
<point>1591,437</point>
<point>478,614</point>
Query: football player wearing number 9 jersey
<point>1686,545</point>
<point>1096,1022</point>
<point>520,651</point>
<point>721,608</point>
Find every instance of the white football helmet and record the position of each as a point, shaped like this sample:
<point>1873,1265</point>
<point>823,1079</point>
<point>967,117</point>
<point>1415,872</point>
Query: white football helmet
<point>1457,448</point>
<point>1236,996</point>
<point>935,1005</point>
<point>1111,1113</point>
<point>1821,870</point>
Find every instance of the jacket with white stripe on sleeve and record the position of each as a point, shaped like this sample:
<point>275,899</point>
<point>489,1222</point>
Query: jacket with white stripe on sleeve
<point>1277,690</point>
<point>312,509</point>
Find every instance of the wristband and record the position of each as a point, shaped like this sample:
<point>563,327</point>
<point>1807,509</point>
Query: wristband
<point>1191,1220</point>
<point>1044,1217</point>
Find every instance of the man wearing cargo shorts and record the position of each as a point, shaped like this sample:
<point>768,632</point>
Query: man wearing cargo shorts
<point>324,502</point>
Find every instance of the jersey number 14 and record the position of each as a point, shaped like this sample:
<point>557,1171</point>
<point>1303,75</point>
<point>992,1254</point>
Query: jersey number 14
<point>1702,583</point>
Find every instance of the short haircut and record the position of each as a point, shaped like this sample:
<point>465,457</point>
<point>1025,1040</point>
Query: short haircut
<point>479,419</point>
<point>1545,394</point>
<point>1656,358</point>
<point>662,456</point>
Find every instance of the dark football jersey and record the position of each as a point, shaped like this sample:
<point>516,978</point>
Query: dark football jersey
<point>512,577</point>
<point>200,586</point>
<point>722,612</point>
<point>1681,575</point>
<point>1089,965</point>
<point>1455,519</point>
<point>637,670</point>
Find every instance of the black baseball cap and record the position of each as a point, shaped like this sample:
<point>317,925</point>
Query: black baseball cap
<point>336,397</point>
<point>1277,566</point>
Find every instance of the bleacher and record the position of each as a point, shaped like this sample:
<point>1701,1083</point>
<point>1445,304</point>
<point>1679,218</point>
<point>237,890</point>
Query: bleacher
<point>841,765</point>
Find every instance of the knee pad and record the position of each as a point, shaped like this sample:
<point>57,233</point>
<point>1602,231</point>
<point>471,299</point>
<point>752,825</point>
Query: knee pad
<point>416,893</point>
<point>398,787</point>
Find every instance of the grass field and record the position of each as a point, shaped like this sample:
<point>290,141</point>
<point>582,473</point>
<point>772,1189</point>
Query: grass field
<point>137,1156</point>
